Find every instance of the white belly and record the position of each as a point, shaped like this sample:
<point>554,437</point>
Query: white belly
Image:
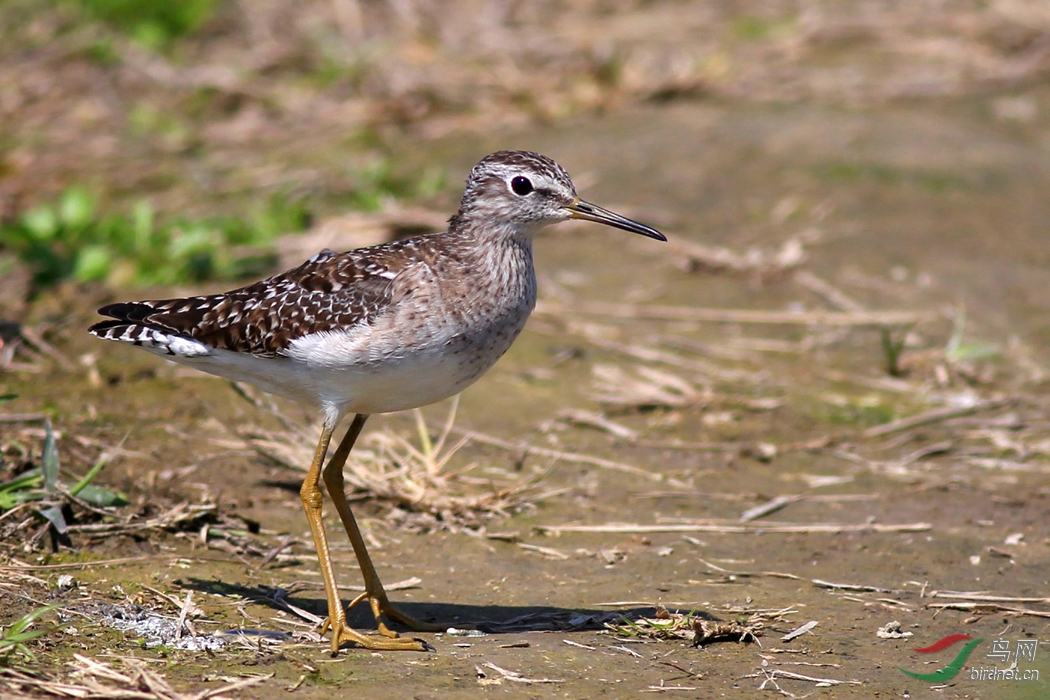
<point>375,369</point>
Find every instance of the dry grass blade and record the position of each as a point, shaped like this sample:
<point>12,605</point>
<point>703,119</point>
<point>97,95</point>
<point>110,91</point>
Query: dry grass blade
<point>559,455</point>
<point>94,679</point>
<point>665,626</point>
<point>990,609</point>
<point>413,477</point>
<point>755,261</point>
<point>826,290</point>
<point>709,632</point>
<point>689,626</point>
<point>769,507</point>
<point>733,575</point>
<point>16,566</point>
<point>645,388</point>
<point>517,677</point>
<point>36,338</point>
<point>771,676</point>
<point>173,517</point>
<point>799,631</point>
<point>599,421</point>
<point>735,527</point>
<point>985,597</point>
<point>416,479</point>
<point>851,587</point>
<point>934,416</point>
<point>647,353</point>
<point>750,316</point>
<point>548,552</point>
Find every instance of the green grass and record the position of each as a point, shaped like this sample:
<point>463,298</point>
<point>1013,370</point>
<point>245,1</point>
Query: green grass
<point>841,172</point>
<point>152,23</point>
<point>854,411</point>
<point>43,484</point>
<point>377,183</point>
<point>14,638</point>
<point>893,348</point>
<point>751,28</point>
<point>71,239</point>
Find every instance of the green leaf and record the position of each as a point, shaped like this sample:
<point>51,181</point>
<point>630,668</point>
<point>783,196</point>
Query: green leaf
<point>101,496</point>
<point>98,495</point>
<point>93,263</point>
<point>53,514</point>
<point>76,208</point>
<point>151,35</point>
<point>70,238</point>
<point>20,638</point>
<point>142,223</point>
<point>41,223</point>
<point>10,500</point>
<point>24,487</point>
<point>49,460</point>
<point>15,636</point>
<point>191,240</point>
<point>155,24</point>
<point>972,351</point>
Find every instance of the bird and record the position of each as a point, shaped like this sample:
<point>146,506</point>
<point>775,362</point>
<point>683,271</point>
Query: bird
<point>380,329</point>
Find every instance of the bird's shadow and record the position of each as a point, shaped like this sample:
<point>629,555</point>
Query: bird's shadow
<point>287,485</point>
<point>491,619</point>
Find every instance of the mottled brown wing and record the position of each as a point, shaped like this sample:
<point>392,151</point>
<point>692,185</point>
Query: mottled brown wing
<point>329,291</point>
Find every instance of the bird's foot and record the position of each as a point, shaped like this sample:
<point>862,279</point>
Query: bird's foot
<point>382,607</point>
<point>341,632</point>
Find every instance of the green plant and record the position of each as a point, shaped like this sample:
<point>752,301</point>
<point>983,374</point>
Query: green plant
<point>43,484</point>
<point>852,410</point>
<point>751,28</point>
<point>377,183</point>
<point>69,239</point>
<point>958,350</point>
<point>892,349</point>
<point>151,23</point>
<point>674,626</point>
<point>14,638</point>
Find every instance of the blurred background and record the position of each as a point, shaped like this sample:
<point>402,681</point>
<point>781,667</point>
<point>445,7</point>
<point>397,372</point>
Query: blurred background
<point>847,335</point>
<point>146,143</point>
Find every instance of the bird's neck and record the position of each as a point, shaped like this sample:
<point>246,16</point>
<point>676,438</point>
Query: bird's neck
<point>486,231</point>
<point>501,257</point>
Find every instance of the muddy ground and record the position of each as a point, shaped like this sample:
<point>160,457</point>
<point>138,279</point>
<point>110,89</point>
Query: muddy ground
<point>819,214</point>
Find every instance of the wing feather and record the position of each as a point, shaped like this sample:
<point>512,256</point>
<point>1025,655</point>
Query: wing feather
<point>327,292</point>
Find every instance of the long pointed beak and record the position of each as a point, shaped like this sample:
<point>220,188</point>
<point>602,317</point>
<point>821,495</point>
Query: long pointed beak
<point>580,209</point>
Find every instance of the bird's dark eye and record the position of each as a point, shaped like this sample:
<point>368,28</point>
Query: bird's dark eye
<point>521,185</point>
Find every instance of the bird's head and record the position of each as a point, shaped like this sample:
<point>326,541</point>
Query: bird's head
<point>519,192</point>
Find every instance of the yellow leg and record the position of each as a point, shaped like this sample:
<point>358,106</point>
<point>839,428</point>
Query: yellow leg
<point>341,632</point>
<point>374,593</point>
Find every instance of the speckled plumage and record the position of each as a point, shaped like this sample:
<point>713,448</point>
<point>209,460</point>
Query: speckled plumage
<point>375,330</point>
<point>384,328</point>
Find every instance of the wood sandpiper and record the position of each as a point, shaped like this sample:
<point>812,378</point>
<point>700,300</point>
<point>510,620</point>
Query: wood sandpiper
<point>376,330</point>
